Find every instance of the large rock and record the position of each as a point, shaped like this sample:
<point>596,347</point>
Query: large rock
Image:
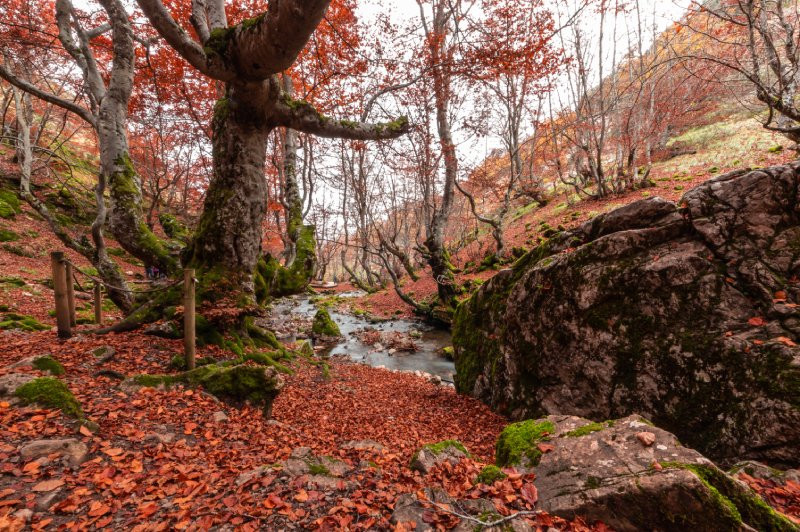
<point>609,472</point>
<point>683,313</point>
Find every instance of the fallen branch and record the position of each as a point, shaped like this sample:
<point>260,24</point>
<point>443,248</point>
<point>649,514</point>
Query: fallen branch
<point>478,521</point>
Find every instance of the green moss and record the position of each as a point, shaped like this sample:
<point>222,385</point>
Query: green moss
<point>265,359</point>
<point>318,469</point>
<point>735,502</point>
<point>11,199</point>
<point>13,281</point>
<point>324,325</point>
<point>237,383</point>
<point>116,252</point>
<point>22,322</point>
<point>217,42</point>
<point>438,447</point>
<point>173,227</point>
<point>206,333</point>
<point>50,392</point>
<point>7,235</point>
<point>48,363</point>
<point>520,440</point>
<point>775,149</point>
<point>489,475</point>
<point>6,210</point>
<point>248,23</point>
<point>179,362</point>
<point>592,482</point>
<point>586,429</point>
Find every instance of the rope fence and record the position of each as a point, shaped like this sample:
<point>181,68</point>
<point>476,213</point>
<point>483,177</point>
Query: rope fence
<point>64,281</point>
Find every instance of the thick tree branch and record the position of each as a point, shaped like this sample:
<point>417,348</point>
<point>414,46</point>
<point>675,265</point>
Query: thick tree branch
<point>177,37</point>
<point>199,20</point>
<point>276,38</point>
<point>302,116</point>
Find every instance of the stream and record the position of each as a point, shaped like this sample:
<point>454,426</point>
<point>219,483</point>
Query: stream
<point>428,339</point>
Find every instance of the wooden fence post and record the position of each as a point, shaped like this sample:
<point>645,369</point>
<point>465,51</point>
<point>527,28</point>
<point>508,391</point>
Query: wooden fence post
<point>60,292</point>
<point>70,293</point>
<point>188,317</point>
<point>98,303</point>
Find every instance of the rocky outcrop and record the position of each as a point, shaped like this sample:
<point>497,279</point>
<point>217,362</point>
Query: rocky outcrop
<point>686,314</point>
<point>633,476</point>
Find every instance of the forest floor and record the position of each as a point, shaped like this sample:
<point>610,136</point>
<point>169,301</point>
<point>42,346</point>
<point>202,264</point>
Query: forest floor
<point>163,459</point>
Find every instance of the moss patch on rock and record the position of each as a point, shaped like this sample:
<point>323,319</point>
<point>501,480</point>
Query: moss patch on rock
<point>324,325</point>
<point>22,322</point>
<point>519,442</point>
<point>438,447</point>
<point>489,475</point>
<point>50,392</point>
<point>48,363</point>
<point>236,383</point>
<point>587,429</point>
<point>735,501</point>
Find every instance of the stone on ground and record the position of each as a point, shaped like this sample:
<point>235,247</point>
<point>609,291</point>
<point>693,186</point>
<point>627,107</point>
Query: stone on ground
<point>71,450</point>
<point>433,454</point>
<point>604,472</point>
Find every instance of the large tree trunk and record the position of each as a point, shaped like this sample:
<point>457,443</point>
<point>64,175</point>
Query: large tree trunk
<point>227,243</point>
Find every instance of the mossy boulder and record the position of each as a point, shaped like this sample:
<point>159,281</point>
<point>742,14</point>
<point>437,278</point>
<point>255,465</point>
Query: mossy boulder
<point>433,454</point>
<point>258,385</point>
<point>22,322</point>
<point>610,475</point>
<point>324,325</point>
<point>49,364</point>
<point>50,392</point>
<point>684,313</point>
<point>43,363</point>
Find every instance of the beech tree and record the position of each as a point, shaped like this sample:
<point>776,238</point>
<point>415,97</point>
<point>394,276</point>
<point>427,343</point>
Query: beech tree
<point>247,59</point>
<point>106,86</point>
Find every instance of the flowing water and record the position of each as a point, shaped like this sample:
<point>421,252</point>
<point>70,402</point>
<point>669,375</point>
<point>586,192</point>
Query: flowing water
<point>427,338</point>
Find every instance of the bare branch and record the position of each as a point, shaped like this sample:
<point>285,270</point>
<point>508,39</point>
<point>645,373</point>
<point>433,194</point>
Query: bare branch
<point>46,96</point>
